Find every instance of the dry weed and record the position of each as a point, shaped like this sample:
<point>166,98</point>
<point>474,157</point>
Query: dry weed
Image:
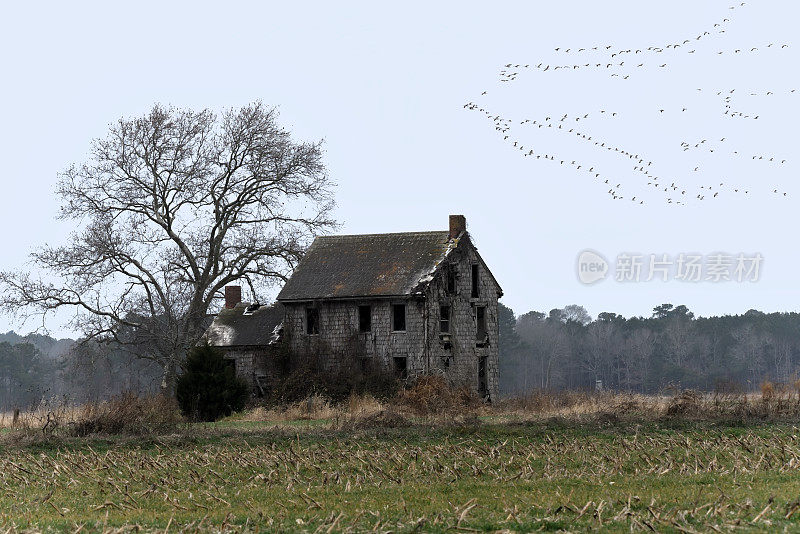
<point>129,414</point>
<point>122,414</point>
<point>432,395</point>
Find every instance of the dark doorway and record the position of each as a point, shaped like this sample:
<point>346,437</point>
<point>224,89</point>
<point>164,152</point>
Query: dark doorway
<point>401,367</point>
<point>483,385</point>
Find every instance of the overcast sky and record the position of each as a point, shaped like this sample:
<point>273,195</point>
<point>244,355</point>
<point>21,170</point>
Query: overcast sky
<point>386,88</point>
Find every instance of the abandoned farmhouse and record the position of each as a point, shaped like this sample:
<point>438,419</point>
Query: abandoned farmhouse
<point>409,303</point>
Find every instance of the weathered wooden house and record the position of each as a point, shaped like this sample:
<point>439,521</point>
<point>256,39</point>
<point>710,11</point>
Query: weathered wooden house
<point>409,303</point>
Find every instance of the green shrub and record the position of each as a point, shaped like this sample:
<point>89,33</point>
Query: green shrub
<point>209,388</point>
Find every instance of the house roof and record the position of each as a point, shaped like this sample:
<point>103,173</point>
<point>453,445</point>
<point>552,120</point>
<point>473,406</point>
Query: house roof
<point>243,327</point>
<point>375,265</point>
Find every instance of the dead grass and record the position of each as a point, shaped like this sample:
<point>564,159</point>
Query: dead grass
<point>122,414</point>
<point>46,416</point>
<point>386,418</point>
<point>431,401</point>
<point>774,403</point>
<point>315,407</point>
<point>428,400</point>
<point>129,414</point>
<point>427,397</point>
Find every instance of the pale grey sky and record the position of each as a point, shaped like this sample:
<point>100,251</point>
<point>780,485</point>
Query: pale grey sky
<point>386,86</point>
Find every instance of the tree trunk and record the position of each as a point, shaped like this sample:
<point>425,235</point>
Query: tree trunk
<point>170,377</point>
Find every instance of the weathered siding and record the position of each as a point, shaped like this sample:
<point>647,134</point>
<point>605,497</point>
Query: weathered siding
<point>339,341</point>
<point>459,363</point>
<point>254,362</point>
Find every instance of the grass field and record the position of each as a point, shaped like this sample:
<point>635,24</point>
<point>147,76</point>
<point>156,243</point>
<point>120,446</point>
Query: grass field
<point>667,476</point>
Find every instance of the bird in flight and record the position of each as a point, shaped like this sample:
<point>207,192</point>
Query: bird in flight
<point>592,130</point>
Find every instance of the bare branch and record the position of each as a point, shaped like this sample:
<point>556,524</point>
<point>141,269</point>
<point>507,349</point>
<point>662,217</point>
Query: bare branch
<point>169,208</point>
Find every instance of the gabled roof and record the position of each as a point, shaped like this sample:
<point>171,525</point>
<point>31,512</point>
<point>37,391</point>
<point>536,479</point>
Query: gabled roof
<point>370,265</point>
<point>244,327</point>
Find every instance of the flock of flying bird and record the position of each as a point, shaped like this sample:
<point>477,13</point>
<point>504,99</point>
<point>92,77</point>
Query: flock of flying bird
<point>622,64</point>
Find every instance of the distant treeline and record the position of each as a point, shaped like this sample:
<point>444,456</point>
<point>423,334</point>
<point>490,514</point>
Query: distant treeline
<point>566,349</point>
<point>37,368</point>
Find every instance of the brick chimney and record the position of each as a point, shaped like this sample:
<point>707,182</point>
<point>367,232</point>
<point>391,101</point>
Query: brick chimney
<point>233,296</point>
<point>458,224</point>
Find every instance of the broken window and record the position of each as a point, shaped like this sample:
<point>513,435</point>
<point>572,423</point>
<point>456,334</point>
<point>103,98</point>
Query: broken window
<point>444,319</point>
<point>312,321</point>
<point>450,275</point>
<point>364,318</point>
<point>401,367</point>
<point>480,321</point>
<point>399,317</point>
<point>475,281</point>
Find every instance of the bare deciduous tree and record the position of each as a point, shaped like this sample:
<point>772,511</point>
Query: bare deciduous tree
<point>576,313</point>
<point>637,352</point>
<point>548,345</point>
<point>171,207</point>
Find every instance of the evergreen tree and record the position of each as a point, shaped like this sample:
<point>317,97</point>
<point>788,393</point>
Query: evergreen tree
<point>209,388</point>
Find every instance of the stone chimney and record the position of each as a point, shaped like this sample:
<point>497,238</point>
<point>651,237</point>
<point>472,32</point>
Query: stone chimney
<point>233,296</point>
<point>458,224</point>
